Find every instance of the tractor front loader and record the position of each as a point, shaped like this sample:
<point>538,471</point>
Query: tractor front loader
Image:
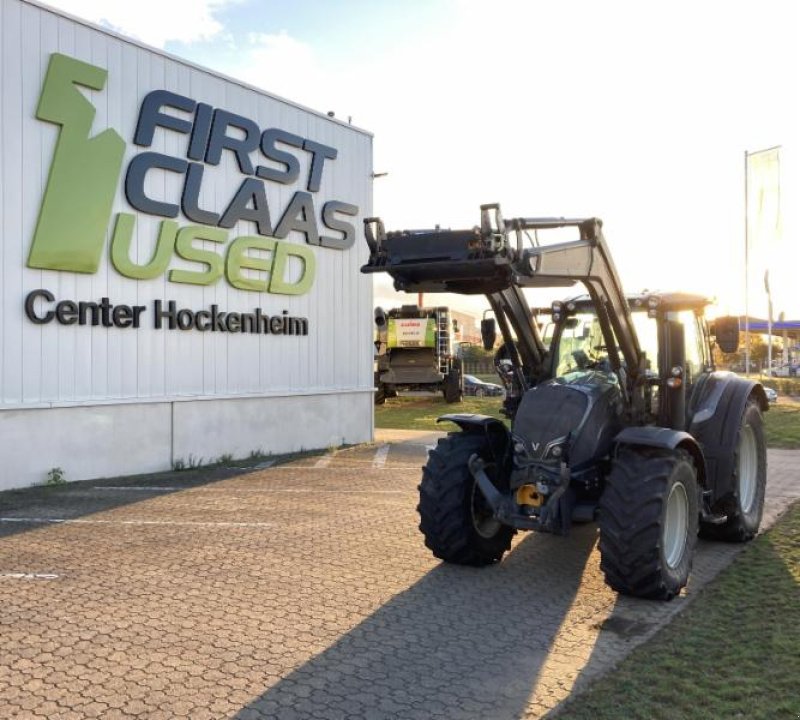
<point>621,418</point>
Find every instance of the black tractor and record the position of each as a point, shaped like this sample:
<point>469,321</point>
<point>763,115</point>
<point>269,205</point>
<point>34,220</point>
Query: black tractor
<point>620,418</point>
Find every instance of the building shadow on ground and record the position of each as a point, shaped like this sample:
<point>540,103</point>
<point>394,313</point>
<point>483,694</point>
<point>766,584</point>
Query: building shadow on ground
<point>41,504</point>
<point>460,643</point>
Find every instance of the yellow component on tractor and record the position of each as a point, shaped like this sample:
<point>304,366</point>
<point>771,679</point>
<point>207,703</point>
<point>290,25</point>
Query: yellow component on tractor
<point>529,495</point>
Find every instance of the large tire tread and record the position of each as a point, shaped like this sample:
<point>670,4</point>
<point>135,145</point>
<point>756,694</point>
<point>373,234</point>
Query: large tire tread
<point>445,498</point>
<point>741,527</point>
<point>632,510</point>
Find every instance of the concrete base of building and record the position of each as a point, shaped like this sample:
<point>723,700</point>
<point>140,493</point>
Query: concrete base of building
<point>110,440</point>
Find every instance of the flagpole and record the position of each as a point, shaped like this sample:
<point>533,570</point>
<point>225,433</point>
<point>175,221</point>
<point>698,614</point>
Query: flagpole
<point>746,276</point>
<point>747,258</point>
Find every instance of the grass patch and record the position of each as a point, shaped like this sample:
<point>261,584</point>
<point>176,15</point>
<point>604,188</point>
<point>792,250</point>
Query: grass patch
<point>733,653</point>
<point>783,386</point>
<point>55,476</point>
<point>420,412</point>
<point>782,424</point>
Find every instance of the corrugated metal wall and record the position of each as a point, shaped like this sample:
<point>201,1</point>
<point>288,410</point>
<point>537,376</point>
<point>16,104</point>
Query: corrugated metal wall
<point>55,364</point>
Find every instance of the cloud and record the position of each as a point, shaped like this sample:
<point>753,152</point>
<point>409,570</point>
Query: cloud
<point>152,21</point>
<point>283,65</point>
<point>637,115</point>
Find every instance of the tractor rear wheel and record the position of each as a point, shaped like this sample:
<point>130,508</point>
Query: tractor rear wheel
<point>745,505</point>
<point>648,523</point>
<point>458,525</point>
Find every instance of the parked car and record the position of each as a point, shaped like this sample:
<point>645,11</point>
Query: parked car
<point>478,388</point>
<point>784,371</point>
<point>772,396</point>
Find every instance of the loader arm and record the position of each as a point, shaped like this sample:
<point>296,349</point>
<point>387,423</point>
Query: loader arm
<point>484,261</point>
<point>520,334</point>
<point>589,261</point>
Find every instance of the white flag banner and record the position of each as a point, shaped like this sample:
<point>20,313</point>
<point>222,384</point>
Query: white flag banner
<point>763,221</point>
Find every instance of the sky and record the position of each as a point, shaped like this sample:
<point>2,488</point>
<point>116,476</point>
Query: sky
<point>638,113</point>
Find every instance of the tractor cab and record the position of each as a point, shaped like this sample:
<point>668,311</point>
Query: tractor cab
<point>674,339</point>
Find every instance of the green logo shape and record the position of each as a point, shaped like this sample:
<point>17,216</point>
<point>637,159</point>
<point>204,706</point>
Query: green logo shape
<point>76,209</point>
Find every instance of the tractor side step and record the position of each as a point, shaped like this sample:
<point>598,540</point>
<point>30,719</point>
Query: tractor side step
<point>714,518</point>
<point>707,515</point>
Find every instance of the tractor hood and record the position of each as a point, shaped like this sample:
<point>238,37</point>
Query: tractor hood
<point>572,418</point>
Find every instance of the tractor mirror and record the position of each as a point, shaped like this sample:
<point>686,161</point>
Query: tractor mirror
<point>726,332</point>
<point>488,333</point>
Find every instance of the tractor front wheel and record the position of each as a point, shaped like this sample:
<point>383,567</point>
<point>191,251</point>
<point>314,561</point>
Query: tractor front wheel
<point>458,525</point>
<point>648,523</point>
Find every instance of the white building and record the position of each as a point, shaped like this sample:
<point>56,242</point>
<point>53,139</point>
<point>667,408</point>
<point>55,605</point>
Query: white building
<point>180,261</point>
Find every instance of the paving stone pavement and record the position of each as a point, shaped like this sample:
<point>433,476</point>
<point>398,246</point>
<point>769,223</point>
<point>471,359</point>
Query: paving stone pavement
<point>301,591</point>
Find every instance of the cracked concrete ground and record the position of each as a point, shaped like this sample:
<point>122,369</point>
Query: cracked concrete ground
<point>301,591</point>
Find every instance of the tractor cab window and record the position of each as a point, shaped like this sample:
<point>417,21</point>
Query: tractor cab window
<point>647,332</point>
<point>581,346</point>
<point>694,343</point>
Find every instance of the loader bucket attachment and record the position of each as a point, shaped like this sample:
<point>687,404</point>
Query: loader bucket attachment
<point>458,261</point>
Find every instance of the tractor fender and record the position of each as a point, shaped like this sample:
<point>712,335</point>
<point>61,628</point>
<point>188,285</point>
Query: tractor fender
<point>715,421</point>
<point>665,439</point>
<point>496,433</point>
